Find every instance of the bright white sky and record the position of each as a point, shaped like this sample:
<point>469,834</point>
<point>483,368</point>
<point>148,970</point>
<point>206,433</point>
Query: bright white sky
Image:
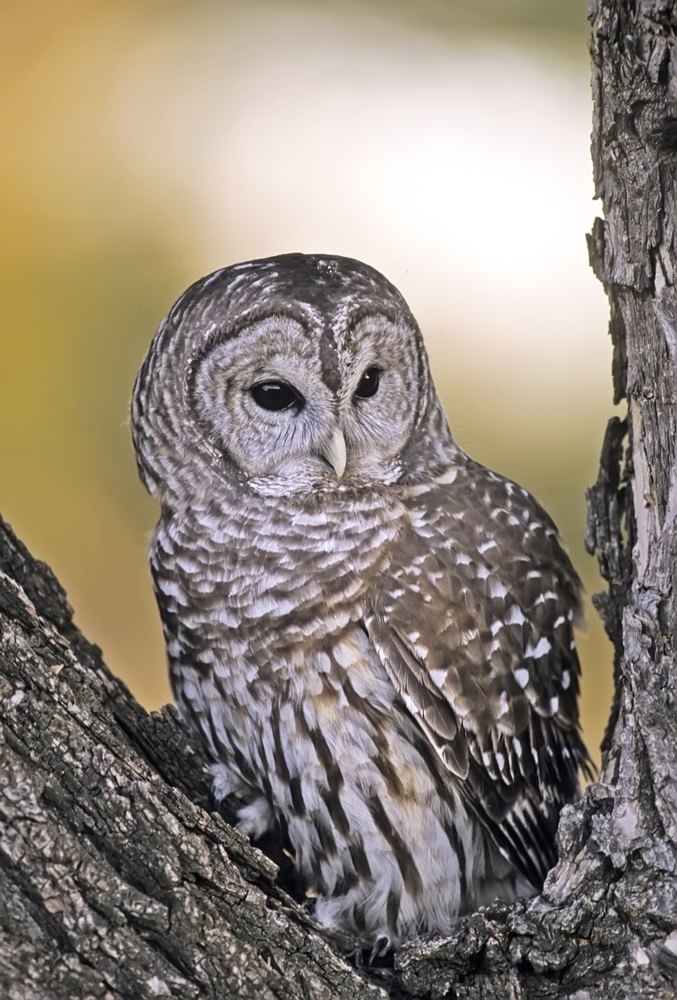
<point>460,170</point>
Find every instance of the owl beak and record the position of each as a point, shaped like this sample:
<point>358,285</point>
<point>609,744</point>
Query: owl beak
<point>335,453</point>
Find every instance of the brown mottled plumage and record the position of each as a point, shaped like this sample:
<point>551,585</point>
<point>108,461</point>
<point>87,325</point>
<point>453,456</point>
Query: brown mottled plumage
<point>370,633</point>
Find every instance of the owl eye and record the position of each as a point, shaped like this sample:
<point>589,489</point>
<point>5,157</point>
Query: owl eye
<point>277,396</point>
<point>368,384</point>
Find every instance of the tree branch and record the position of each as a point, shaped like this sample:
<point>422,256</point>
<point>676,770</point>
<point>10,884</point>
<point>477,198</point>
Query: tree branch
<point>115,880</point>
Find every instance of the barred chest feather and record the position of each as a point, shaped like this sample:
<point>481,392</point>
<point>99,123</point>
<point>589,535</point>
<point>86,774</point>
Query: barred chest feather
<point>277,673</point>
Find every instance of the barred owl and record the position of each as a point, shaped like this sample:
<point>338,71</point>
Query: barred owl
<point>370,633</point>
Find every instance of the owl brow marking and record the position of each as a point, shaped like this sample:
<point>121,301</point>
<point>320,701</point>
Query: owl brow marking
<point>330,371</point>
<point>329,350</point>
<point>232,331</point>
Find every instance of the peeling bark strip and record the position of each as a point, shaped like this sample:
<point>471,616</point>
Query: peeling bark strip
<point>117,881</point>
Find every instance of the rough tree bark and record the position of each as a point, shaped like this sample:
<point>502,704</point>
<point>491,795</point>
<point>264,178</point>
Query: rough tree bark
<point>116,878</point>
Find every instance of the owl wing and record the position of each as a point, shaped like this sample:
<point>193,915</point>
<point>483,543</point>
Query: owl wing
<point>474,624</point>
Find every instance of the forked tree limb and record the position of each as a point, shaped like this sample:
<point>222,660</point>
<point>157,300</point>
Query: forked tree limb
<point>118,880</point>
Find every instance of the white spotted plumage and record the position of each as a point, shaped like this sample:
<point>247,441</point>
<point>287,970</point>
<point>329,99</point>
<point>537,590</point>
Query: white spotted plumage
<point>370,633</point>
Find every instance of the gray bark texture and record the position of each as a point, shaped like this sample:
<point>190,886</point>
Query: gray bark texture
<point>117,879</point>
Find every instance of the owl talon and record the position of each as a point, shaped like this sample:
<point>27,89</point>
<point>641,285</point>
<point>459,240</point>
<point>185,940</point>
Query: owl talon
<point>256,818</point>
<point>222,783</point>
<point>380,948</point>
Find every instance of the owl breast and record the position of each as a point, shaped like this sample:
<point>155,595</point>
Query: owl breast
<point>272,663</point>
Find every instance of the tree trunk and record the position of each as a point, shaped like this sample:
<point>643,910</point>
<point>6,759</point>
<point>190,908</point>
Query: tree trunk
<point>116,879</point>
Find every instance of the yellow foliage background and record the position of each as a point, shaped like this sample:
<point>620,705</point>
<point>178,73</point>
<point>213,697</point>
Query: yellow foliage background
<point>147,143</point>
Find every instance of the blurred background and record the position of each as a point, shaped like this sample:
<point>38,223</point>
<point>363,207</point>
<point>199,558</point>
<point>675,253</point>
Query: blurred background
<point>148,143</point>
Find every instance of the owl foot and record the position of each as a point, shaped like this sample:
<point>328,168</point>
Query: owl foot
<point>380,947</point>
<point>223,784</point>
<point>256,818</point>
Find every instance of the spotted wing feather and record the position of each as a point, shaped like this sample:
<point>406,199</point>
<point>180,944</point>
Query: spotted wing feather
<point>474,624</point>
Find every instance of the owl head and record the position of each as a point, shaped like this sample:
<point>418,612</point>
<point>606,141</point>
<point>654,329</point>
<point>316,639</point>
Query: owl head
<point>291,374</point>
